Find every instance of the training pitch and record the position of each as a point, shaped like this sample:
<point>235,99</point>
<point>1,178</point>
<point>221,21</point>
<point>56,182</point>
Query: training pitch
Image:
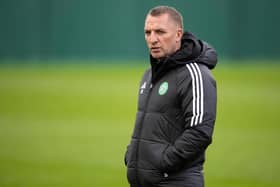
<point>69,125</point>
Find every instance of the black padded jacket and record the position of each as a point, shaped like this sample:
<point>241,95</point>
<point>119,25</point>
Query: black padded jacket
<point>176,114</point>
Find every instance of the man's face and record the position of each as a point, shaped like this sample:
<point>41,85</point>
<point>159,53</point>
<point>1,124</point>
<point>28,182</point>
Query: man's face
<point>163,35</point>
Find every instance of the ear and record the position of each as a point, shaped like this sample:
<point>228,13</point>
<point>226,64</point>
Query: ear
<point>179,35</point>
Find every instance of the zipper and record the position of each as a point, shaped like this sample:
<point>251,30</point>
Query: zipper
<point>140,130</point>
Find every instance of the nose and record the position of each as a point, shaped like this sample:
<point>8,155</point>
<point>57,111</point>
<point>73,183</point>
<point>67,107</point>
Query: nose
<point>153,38</point>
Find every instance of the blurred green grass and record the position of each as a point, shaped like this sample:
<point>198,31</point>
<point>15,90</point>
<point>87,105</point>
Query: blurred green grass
<point>68,125</point>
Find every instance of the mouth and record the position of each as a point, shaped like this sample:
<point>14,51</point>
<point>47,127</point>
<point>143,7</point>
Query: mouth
<point>155,49</point>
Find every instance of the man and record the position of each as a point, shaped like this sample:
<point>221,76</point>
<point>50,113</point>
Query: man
<point>176,106</point>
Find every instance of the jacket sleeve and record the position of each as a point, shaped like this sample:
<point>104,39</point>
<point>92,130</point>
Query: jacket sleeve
<point>197,93</point>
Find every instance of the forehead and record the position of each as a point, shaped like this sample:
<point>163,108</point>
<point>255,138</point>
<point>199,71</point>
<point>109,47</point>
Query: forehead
<point>160,21</point>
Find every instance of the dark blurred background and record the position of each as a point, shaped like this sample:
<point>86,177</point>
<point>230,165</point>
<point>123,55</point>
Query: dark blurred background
<point>85,29</point>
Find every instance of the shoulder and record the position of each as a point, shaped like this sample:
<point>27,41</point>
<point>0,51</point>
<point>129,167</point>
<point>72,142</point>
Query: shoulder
<point>146,74</point>
<point>194,72</point>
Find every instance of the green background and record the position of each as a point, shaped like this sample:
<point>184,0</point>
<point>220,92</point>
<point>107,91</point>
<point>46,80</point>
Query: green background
<point>114,29</point>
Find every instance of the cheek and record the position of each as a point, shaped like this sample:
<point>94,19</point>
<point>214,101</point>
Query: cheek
<point>146,39</point>
<point>148,43</point>
<point>169,44</point>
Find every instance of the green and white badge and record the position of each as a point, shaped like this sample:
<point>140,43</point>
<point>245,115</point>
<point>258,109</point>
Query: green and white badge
<point>163,88</point>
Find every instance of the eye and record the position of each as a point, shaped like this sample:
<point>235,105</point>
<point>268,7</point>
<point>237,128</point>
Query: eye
<point>160,32</point>
<point>147,32</point>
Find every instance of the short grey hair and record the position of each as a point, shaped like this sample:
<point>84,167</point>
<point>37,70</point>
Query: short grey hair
<point>174,14</point>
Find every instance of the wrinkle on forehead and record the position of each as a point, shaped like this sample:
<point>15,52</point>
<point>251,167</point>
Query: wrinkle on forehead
<point>158,22</point>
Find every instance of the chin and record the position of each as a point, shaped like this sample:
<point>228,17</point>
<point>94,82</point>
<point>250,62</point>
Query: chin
<point>157,56</point>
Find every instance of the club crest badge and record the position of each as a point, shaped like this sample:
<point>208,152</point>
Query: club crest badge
<point>163,88</point>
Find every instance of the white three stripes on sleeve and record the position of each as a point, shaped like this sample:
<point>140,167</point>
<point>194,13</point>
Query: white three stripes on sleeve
<point>198,96</point>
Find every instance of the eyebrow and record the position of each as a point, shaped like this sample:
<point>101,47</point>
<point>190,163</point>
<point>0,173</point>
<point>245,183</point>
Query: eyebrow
<point>156,30</point>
